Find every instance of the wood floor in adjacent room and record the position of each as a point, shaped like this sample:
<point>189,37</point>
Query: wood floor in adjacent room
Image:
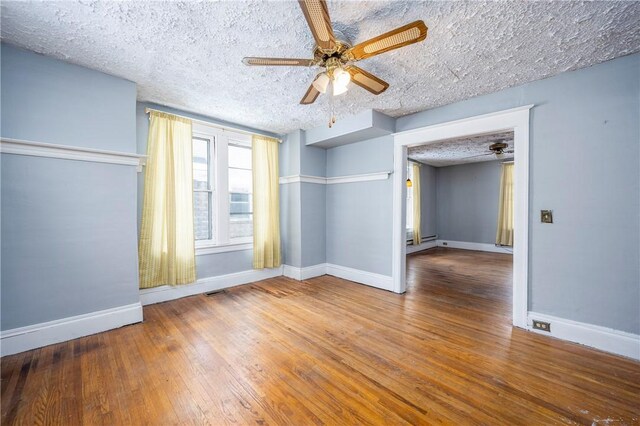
<point>328,351</point>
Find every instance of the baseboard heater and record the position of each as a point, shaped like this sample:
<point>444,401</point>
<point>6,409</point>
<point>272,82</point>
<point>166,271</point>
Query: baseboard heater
<point>423,239</point>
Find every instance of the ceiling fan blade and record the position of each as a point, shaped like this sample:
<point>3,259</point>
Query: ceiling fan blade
<point>291,62</point>
<point>310,97</point>
<point>367,80</point>
<point>475,156</point>
<point>403,36</point>
<point>317,16</point>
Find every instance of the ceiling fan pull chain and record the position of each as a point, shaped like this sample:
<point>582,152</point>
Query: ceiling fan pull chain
<point>332,115</point>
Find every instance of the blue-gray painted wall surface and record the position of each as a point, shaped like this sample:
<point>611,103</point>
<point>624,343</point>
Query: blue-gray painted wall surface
<point>467,202</point>
<point>46,100</point>
<point>584,165</point>
<point>68,227</point>
<point>302,205</point>
<point>359,214</point>
<point>428,203</point>
<point>69,244</point>
<point>313,201</point>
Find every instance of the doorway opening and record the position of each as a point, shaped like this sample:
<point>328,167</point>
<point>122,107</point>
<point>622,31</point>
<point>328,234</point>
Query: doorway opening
<point>459,223</point>
<point>514,120</point>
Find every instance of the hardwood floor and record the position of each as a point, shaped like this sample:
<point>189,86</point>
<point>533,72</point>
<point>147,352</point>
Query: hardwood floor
<point>328,351</point>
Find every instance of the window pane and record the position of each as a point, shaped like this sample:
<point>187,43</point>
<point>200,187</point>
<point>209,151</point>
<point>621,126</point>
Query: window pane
<point>240,181</point>
<point>202,217</point>
<point>200,163</point>
<point>241,228</point>
<point>239,157</point>
<point>240,202</point>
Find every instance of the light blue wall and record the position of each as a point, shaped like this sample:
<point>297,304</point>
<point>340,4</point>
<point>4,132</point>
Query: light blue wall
<point>51,101</point>
<point>68,239</point>
<point>302,205</point>
<point>585,166</point>
<point>209,265</point>
<point>467,202</point>
<point>313,206</point>
<point>359,214</point>
<point>428,204</point>
<point>290,208</point>
<point>313,200</point>
<point>68,228</point>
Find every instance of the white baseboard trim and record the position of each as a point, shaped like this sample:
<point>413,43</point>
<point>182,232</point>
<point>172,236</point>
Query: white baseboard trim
<point>384,282</point>
<point>422,246</point>
<point>165,293</point>
<point>473,246</point>
<point>47,333</point>
<point>301,274</point>
<point>603,338</point>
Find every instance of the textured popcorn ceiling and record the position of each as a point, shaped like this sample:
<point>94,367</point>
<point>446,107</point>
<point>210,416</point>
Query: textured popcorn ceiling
<point>188,54</point>
<point>471,149</point>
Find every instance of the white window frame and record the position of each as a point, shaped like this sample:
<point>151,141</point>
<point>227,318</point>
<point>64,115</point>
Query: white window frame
<point>219,140</point>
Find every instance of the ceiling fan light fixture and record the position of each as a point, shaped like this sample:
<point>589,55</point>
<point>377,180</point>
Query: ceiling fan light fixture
<point>321,82</point>
<point>338,89</point>
<point>340,82</point>
<point>341,77</point>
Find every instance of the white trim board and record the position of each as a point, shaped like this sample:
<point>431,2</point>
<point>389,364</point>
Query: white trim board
<point>516,119</point>
<point>383,282</point>
<point>335,180</point>
<point>47,333</point>
<point>67,152</point>
<point>165,293</point>
<point>305,273</point>
<point>303,178</point>
<point>595,336</point>
<point>422,246</point>
<point>473,246</point>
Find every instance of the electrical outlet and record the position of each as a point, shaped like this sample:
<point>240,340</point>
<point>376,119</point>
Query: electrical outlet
<point>546,216</point>
<point>541,325</point>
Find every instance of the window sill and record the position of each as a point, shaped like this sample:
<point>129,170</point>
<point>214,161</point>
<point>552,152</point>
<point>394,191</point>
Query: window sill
<point>214,249</point>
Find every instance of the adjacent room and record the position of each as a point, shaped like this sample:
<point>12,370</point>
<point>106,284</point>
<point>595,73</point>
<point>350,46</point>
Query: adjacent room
<point>460,199</point>
<point>319,212</point>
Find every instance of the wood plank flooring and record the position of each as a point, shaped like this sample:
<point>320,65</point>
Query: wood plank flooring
<point>328,351</point>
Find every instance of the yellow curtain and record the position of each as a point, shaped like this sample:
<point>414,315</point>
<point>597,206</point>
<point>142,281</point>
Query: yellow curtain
<point>166,248</point>
<point>266,203</point>
<point>417,221</point>
<point>504,233</point>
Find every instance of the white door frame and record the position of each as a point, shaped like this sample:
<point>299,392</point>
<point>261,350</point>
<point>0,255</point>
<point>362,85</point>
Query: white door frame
<point>515,119</point>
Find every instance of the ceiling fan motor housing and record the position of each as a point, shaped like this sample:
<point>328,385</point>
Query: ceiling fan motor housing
<point>322,56</point>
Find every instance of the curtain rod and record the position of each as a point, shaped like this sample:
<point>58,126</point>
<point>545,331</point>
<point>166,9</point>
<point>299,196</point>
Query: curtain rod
<point>507,162</point>
<point>218,126</point>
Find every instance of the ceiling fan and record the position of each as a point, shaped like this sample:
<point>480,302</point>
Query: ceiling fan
<point>497,148</point>
<point>336,55</point>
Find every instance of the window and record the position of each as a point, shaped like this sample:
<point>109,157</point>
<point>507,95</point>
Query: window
<point>409,202</point>
<point>222,187</point>
<point>240,191</point>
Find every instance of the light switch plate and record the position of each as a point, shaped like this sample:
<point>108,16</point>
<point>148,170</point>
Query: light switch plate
<point>546,216</point>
